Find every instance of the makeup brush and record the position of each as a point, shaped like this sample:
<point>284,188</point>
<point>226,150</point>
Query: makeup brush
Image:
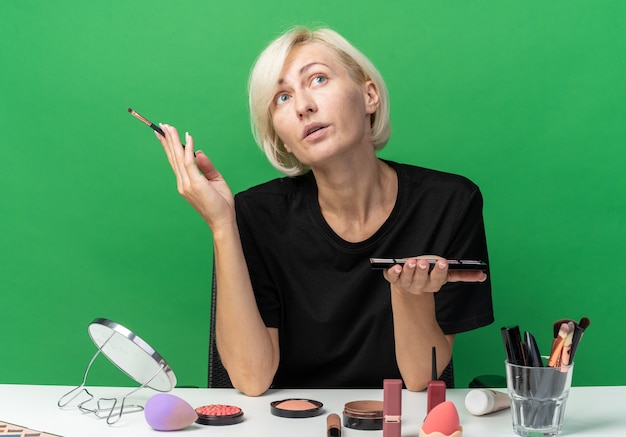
<point>146,122</point>
<point>566,353</point>
<point>579,330</point>
<point>584,323</point>
<point>557,345</point>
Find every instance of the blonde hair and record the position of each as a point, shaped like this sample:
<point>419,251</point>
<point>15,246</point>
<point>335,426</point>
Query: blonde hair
<point>264,77</point>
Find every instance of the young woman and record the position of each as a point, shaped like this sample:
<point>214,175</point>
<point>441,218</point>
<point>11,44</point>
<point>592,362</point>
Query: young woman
<point>298,304</point>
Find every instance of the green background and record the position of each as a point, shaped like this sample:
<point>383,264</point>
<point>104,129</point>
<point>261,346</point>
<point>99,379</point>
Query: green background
<point>524,97</point>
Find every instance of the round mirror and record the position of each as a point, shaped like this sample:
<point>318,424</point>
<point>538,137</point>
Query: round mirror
<point>132,355</point>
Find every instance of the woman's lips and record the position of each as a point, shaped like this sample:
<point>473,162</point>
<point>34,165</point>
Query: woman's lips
<point>314,131</point>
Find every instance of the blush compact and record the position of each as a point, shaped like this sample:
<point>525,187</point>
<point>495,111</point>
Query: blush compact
<point>218,414</point>
<point>363,415</point>
<point>296,408</point>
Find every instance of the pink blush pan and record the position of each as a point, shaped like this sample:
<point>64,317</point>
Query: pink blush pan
<point>296,408</point>
<point>218,414</point>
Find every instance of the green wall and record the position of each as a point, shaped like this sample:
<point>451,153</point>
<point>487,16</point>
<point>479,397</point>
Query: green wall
<point>524,97</point>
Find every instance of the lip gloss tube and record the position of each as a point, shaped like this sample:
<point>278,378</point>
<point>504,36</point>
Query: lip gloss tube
<point>392,407</point>
<point>436,389</point>
<point>333,425</point>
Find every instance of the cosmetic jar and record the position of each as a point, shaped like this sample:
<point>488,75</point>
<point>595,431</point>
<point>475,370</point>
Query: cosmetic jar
<point>363,415</point>
<point>296,408</point>
<point>217,414</point>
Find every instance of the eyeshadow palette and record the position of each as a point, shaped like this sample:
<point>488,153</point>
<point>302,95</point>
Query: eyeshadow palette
<point>9,429</point>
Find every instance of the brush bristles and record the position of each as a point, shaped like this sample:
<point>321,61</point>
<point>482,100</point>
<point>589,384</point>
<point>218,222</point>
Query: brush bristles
<point>139,117</point>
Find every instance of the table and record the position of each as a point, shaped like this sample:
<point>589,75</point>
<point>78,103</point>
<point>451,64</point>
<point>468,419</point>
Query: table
<point>590,412</point>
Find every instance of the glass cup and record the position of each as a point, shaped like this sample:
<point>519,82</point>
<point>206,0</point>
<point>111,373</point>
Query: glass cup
<point>538,396</point>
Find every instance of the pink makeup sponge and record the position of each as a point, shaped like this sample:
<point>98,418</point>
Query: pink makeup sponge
<point>165,412</point>
<point>442,421</point>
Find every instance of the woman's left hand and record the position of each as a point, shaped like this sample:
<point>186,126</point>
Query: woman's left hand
<point>415,276</point>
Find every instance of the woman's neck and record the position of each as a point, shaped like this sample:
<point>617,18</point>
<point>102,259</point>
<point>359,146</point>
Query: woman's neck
<point>357,199</point>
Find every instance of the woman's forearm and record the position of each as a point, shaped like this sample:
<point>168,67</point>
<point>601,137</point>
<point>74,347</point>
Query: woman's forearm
<point>416,331</point>
<point>248,349</point>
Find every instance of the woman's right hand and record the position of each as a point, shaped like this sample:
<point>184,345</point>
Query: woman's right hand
<point>197,179</point>
<point>249,350</point>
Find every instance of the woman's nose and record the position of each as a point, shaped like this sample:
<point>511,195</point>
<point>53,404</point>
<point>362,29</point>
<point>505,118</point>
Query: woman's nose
<point>305,104</point>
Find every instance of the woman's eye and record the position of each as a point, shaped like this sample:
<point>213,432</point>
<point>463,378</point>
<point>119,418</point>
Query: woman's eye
<point>282,98</point>
<point>319,79</point>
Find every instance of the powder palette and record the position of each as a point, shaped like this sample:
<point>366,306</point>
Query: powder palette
<point>363,415</point>
<point>218,414</point>
<point>11,430</point>
<point>296,408</point>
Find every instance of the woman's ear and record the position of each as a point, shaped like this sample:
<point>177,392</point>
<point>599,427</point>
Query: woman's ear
<point>372,98</point>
